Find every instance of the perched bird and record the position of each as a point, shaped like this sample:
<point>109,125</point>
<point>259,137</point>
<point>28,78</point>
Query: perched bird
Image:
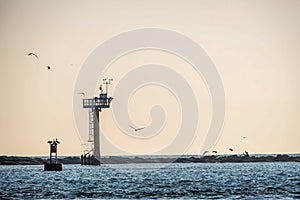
<point>57,141</point>
<point>136,129</point>
<point>33,54</point>
<point>214,151</point>
<point>230,149</point>
<point>82,93</point>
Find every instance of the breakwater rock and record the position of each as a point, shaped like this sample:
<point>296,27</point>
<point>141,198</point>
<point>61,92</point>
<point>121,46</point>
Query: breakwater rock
<point>19,160</point>
<point>22,160</point>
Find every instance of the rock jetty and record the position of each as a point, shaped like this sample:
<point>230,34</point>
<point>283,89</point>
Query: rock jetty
<point>17,160</point>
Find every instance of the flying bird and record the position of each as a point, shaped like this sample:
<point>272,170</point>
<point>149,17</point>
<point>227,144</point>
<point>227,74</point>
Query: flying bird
<point>205,152</point>
<point>33,54</point>
<point>48,67</point>
<point>230,149</point>
<point>82,93</point>
<point>136,129</point>
<point>214,151</point>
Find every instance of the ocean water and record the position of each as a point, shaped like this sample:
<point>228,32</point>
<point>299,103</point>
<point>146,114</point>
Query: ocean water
<point>128,181</point>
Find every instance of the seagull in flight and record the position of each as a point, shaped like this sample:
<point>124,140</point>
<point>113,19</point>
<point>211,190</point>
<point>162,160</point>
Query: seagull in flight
<point>136,129</point>
<point>230,149</point>
<point>205,152</point>
<point>33,54</point>
<point>214,151</point>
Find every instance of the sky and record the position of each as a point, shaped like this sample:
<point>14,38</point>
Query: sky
<point>254,45</point>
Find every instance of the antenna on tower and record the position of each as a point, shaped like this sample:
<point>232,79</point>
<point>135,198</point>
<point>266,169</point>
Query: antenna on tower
<point>107,82</point>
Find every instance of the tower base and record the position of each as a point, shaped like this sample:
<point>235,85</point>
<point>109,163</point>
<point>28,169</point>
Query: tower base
<point>52,167</point>
<point>89,160</point>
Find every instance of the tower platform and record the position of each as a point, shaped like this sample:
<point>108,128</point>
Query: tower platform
<point>52,167</point>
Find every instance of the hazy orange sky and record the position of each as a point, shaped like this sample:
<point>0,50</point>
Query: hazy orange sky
<point>254,44</point>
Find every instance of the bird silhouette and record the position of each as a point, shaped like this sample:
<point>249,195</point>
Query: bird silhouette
<point>214,151</point>
<point>246,154</point>
<point>230,149</point>
<point>205,152</point>
<point>33,54</point>
<point>48,67</point>
<point>136,129</point>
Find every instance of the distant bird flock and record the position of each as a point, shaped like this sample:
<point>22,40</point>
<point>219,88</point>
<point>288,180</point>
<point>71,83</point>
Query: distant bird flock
<point>246,153</point>
<point>134,128</point>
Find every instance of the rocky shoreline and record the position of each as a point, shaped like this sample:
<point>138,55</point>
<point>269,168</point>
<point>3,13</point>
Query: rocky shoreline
<point>19,160</point>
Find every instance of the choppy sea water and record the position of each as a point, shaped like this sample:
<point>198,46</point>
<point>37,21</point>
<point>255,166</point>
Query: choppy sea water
<point>127,181</point>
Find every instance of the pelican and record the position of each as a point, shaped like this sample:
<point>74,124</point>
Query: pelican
<point>136,129</point>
